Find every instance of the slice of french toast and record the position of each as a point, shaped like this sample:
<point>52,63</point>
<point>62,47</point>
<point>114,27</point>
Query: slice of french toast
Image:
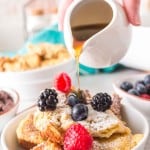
<point>47,146</point>
<point>115,142</point>
<point>28,136</point>
<point>99,124</point>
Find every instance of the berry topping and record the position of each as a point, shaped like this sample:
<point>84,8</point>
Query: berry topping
<point>47,100</point>
<point>77,138</point>
<point>148,88</point>
<point>101,102</point>
<point>82,95</point>
<point>134,92</point>
<point>141,89</point>
<point>63,82</point>
<point>79,112</point>
<point>126,85</point>
<point>139,82</point>
<point>146,96</point>
<point>72,99</point>
<point>147,79</point>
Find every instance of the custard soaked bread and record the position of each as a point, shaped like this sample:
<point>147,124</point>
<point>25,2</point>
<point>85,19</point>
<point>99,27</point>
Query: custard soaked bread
<point>76,120</point>
<point>117,142</point>
<point>47,146</point>
<point>99,124</point>
<point>28,136</point>
<point>37,56</point>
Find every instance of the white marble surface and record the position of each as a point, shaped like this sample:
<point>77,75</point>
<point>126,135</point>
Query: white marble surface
<point>99,82</point>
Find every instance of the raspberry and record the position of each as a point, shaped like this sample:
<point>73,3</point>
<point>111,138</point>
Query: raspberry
<point>146,96</point>
<point>63,82</point>
<point>77,138</point>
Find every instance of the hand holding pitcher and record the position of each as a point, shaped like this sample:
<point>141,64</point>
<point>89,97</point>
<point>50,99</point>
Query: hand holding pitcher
<point>101,29</point>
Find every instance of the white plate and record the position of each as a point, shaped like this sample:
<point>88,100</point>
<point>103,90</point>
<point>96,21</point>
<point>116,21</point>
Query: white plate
<point>138,125</point>
<point>139,103</point>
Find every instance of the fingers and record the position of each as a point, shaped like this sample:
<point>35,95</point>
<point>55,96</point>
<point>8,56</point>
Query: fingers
<point>61,12</point>
<point>132,10</point>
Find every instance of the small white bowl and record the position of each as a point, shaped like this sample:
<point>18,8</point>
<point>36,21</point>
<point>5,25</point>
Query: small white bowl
<point>139,103</point>
<point>37,74</point>
<point>30,83</point>
<point>9,139</point>
<point>6,116</point>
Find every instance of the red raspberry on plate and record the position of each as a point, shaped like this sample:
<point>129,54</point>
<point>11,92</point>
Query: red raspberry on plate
<point>62,82</point>
<point>146,96</point>
<point>77,138</point>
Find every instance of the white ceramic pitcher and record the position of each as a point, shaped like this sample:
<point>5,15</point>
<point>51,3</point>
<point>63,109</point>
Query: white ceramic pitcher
<point>108,45</point>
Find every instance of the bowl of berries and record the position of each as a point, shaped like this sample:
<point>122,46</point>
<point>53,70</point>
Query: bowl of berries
<point>9,103</point>
<point>136,91</point>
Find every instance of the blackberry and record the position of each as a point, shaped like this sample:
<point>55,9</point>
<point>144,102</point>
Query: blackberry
<point>101,102</point>
<point>47,100</point>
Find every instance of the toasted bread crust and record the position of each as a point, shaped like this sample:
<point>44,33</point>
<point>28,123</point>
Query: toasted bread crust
<point>28,136</point>
<point>115,142</point>
<point>47,146</point>
<point>50,129</point>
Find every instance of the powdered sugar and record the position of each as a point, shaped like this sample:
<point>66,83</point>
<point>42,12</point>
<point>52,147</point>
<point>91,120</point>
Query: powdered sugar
<point>99,120</point>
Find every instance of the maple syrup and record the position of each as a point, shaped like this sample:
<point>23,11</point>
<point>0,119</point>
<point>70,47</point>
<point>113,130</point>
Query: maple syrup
<point>80,35</point>
<point>77,52</point>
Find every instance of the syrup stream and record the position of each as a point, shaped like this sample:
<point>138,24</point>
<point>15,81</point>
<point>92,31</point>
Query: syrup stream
<point>77,52</point>
<point>81,34</point>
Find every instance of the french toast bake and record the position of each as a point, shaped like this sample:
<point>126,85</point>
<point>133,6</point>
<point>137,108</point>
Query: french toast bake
<point>76,120</point>
<point>47,146</point>
<point>37,56</point>
<point>28,135</point>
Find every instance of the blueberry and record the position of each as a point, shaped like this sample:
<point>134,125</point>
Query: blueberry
<point>126,85</point>
<point>139,82</point>
<point>72,99</point>
<point>147,79</point>
<point>134,92</point>
<point>79,112</point>
<point>148,88</point>
<point>141,89</point>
